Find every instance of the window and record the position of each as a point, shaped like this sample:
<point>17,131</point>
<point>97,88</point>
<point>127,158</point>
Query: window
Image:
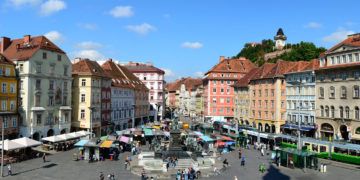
<point>51,100</point>
<point>44,55</point>
<point>327,111</point>
<point>83,82</point>
<point>272,115</point>
<point>227,100</point>
<point>254,93</point>
<point>266,115</point>
<point>228,82</point>
<point>341,112</point>
<point>13,88</point>
<point>253,103</point>
<point>272,92</point>
<point>14,122</point>
<point>272,103</point>
<point>338,59</point>
<point>259,114</point>
<point>343,92</point>
<point>215,75</point>
<point>51,84</point>
<point>65,86</point>
<point>228,110</point>
<point>82,98</point>
<point>357,113</point>
<point>52,69</point>
<point>222,90</point>
<point>282,92</point>
<point>12,105</point>
<point>59,57</point>
<point>38,84</point>
<point>37,100</point>
<point>322,111</point>
<point>282,104</point>
<point>214,90</point>
<point>350,57</point>
<point>332,60</point>
<point>259,93</point>
<point>228,90</point>
<point>214,82</point>
<point>38,68</point>
<point>266,103</point>
<point>4,105</point>
<point>82,114</point>
<point>221,100</point>
<point>222,110</point>
<point>259,103</point>
<point>347,112</point>
<point>321,92</point>
<point>344,76</point>
<point>344,58</point>
<point>65,70</point>
<point>66,117</point>
<point>266,92</point>
<point>282,116</point>
<point>356,56</point>
<point>38,119</point>
<point>5,121</point>
<point>7,71</point>
<point>332,111</point>
<point>64,100</point>
<point>332,92</point>
<point>21,67</point>
<point>222,81</point>
<point>4,87</point>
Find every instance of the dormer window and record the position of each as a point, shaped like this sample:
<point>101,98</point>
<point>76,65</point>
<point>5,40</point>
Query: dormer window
<point>44,55</point>
<point>59,57</point>
<point>94,70</point>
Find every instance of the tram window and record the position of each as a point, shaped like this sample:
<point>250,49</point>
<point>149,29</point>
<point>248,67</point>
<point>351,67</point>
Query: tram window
<point>337,150</point>
<point>315,147</point>
<point>322,148</point>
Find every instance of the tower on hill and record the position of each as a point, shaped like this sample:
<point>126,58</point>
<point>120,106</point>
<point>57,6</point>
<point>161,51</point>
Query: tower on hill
<point>280,39</point>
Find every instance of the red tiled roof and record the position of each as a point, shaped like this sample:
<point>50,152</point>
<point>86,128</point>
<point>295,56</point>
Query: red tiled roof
<point>190,83</point>
<point>132,78</point>
<point>241,65</point>
<point>21,51</point>
<point>4,60</point>
<point>280,68</point>
<point>88,67</point>
<point>352,41</point>
<point>305,65</point>
<point>244,81</point>
<point>118,78</point>
<point>262,71</point>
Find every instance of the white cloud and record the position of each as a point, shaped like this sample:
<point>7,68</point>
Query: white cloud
<point>20,3</point>
<point>142,29</point>
<point>88,45</point>
<point>198,74</point>
<point>313,25</point>
<point>91,54</point>
<point>121,11</point>
<point>88,26</point>
<point>55,37</point>
<point>169,75</point>
<point>191,45</point>
<point>52,6</point>
<point>339,35</point>
<point>350,23</point>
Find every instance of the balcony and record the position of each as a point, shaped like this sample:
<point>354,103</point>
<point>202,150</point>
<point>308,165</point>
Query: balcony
<point>301,97</point>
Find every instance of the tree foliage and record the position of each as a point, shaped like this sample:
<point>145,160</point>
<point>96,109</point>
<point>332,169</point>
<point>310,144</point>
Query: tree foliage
<point>303,51</point>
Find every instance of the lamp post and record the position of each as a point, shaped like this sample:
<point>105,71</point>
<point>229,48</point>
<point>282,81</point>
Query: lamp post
<point>133,116</point>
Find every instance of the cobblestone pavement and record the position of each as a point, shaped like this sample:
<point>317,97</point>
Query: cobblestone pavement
<point>61,166</point>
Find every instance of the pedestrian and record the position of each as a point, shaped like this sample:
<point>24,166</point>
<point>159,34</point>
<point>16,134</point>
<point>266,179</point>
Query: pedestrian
<point>151,178</point>
<point>186,174</point>
<point>178,175</point>
<point>240,154</point>
<point>102,176</point>
<point>262,151</point>
<point>243,161</point>
<point>112,176</point>
<point>262,168</point>
<point>167,166</point>
<point>126,164</point>
<point>235,178</point>
<point>44,157</point>
<point>143,173</point>
<point>216,171</point>
<point>10,169</point>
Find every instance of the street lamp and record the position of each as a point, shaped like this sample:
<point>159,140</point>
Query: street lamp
<point>92,109</point>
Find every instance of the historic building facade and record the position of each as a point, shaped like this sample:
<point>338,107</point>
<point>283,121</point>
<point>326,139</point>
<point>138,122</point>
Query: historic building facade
<point>337,88</point>
<point>153,78</point>
<point>87,95</point>
<point>122,96</point>
<point>218,94</point>
<point>300,98</point>
<point>45,85</point>
<point>8,98</point>
<point>267,89</point>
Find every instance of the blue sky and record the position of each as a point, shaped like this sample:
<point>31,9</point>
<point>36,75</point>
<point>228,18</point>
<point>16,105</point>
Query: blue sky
<point>184,37</point>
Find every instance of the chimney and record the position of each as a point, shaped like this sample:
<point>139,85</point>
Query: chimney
<point>76,60</point>
<point>5,42</point>
<point>149,64</point>
<point>110,60</point>
<point>27,39</point>
<point>222,58</point>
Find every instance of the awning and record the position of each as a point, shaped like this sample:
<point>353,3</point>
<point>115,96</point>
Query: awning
<point>54,139</point>
<point>81,142</point>
<point>10,145</point>
<point>27,142</point>
<point>156,127</point>
<point>103,138</point>
<point>306,128</point>
<point>206,138</point>
<point>137,133</point>
<point>198,133</point>
<point>106,144</point>
<point>124,139</point>
<point>148,132</point>
<point>167,133</point>
<point>226,138</point>
<point>230,142</point>
<point>119,133</point>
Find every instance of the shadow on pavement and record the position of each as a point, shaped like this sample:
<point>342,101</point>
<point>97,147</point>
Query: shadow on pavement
<point>273,173</point>
<point>46,166</point>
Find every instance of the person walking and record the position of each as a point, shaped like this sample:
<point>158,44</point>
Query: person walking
<point>10,170</point>
<point>44,157</point>
<point>178,175</point>
<point>143,173</point>
<point>235,178</point>
<point>186,174</point>
<point>243,161</point>
<point>102,176</point>
<point>240,153</point>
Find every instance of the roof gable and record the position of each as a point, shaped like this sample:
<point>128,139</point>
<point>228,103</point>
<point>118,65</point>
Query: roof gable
<point>241,65</point>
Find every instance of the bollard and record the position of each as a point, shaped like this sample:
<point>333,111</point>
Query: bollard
<point>324,168</point>
<point>321,168</point>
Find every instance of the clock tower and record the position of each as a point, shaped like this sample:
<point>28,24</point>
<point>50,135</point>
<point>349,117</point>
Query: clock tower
<point>280,39</point>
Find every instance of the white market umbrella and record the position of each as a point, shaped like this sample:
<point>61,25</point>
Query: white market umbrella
<point>10,145</point>
<point>65,136</point>
<point>27,142</point>
<point>74,135</point>
<point>83,133</point>
<point>54,139</point>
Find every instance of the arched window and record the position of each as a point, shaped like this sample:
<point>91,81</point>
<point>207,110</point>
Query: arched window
<point>356,112</point>
<point>341,112</point>
<point>327,111</point>
<point>332,111</point>
<point>357,131</point>
<point>332,92</point>
<point>343,92</point>
<point>322,111</point>
<point>347,112</point>
<point>356,91</point>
